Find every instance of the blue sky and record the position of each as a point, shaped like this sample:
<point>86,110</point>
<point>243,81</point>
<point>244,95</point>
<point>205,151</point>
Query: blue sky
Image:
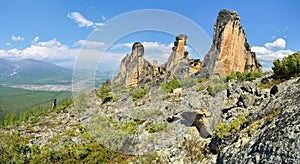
<point>54,30</point>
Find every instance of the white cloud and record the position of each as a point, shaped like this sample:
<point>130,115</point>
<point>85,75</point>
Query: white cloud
<point>78,18</point>
<point>89,44</point>
<point>261,50</point>
<point>83,22</point>
<point>55,52</point>
<point>8,44</point>
<point>48,50</point>
<point>103,17</point>
<point>35,40</point>
<point>277,44</point>
<point>270,51</point>
<point>16,38</point>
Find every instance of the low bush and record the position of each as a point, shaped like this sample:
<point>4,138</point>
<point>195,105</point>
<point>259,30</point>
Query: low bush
<point>287,67</point>
<point>188,82</point>
<point>129,127</point>
<point>171,85</point>
<point>202,80</point>
<point>81,102</point>
<point>153,127</point>
<point>201,88</point>
<point>269,84</point>
<point>197,150</point>
<point>245,76</point>
<point>225,130</point>
<point>215,88</point>
<point>138,93</point>
<point>104,92</point>
<point>146,113</point>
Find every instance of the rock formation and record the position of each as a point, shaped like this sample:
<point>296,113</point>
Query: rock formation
<point>195,65</point>
<point>134,68</point>
<point>178,54</point>
<point>230,51</point>
<point>178,63</point>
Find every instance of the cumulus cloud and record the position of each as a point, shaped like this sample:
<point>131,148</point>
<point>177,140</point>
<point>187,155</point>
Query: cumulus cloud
<point>83,22</point>
<point>58,53</point>
<point>277,44</point>
<point>35,40</point>
<point>47,50</point>
<point>270,51</point>
<point>16,38</point>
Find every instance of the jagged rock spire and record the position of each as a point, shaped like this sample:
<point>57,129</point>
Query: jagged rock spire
<point>230,51</point>
<point>134,68</point>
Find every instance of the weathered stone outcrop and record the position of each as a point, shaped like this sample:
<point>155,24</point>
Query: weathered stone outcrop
<point>271,133</point>
<point>178,54</point>
<point>230,51</point>
<point>134,68</point>
<point>195,65</point>
<point>178,63</point>
<point>157,70</point>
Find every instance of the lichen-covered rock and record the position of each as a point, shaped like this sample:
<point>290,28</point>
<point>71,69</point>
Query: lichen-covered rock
<point>230,51</point>
<point>272,135</point>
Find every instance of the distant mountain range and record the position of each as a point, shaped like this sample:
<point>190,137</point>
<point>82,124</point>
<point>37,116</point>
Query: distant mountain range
<point>30,71</point>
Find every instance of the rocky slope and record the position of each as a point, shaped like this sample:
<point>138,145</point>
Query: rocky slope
<point>239,121</point>
<point>271,133</point>
<point>184,120</point>
<point>230,51</point>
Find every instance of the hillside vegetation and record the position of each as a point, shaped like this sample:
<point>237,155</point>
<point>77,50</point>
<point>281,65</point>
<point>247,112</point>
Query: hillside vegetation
<point>15,100</point>
<point>287,67</point>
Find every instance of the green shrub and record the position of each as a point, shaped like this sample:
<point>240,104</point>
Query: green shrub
<point>269,84</point>
<point>80,102</point>
<point>171,85</point>
<point>289,66</point>
<point>201,88</point>
<point>209,89</point>
<point>225,130</point>
<point>138,93</point>
<point>187,82</point>
<point>67,102</point>
<point>139,114</point>
<point>245,76</point>
<point>12,147</point>
<point>215,88</point>
<point>104,92</point>
<point>129,127</point>
<point>148,158</point>
<point>197,150</point>
<point>153,127</point>
<point>201,80</point>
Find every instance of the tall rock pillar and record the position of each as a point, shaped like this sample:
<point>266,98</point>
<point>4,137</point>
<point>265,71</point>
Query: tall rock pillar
<point>230,51</point>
